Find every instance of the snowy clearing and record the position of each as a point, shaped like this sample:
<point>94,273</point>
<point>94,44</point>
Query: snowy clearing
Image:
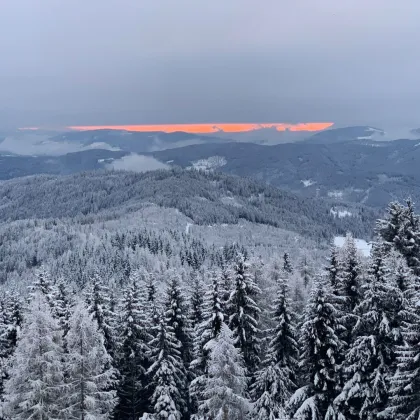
<point>361,245</point>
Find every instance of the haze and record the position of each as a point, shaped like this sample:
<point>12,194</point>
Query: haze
<point>118,62</point>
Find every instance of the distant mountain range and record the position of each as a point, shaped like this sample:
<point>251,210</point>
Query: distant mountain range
<point>363,171</point>
<point>350,165</point>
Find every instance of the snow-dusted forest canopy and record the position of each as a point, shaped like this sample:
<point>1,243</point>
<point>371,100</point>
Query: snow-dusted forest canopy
<point>181,294</point>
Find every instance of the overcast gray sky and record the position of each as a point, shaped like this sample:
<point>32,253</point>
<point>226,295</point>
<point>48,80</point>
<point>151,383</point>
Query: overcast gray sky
<point>182,61</point>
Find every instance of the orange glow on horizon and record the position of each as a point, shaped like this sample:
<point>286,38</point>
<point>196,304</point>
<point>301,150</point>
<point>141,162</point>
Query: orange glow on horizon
<point>209,128</point>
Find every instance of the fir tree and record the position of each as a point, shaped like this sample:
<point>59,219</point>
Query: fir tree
<point>89,375</point>
<point>319,345</point>
<point>166,374</point>
<point>36,385</point>
<point>225,386</point>
<point>245,315</point>
<point>133,359</point>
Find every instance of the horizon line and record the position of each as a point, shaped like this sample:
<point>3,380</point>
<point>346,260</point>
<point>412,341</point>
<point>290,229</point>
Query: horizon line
<point>208,128</point>
<point>201,128</point>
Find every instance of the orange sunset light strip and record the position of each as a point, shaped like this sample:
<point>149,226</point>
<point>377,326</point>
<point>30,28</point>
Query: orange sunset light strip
<point>208,128</point>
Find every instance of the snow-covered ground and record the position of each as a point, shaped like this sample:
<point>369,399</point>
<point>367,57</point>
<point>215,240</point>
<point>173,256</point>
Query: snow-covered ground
<point>210,163</point>
<point>341,213</point>
<point>307,182</point>
<point>361,245</point>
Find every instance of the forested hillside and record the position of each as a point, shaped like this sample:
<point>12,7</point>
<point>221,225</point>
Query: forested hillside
<point>154,339</point>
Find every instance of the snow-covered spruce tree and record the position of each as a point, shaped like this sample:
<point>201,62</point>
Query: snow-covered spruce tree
<point>389,228</point>
<point>226,286</point>
<point>11,319</point>
<point>133,356</point>
<point>287,265</point>
<point>244,318</point>
<point>305,272</point>
<point>36,386</point>
<point>99,306</point>
<point>404,401</point>
<point>333,270</point>
<point>196,302</point>
<point>319,344</point>
<point>62,307</point>
<point>408,240</point>
<point>176,314</point>
<point>166,374</point>
<point>152,305</point>
<point>44,284</point>
<point>276,381</point>
<point>225,386</point>
<point>349,288</point>
<point>204,334</point>
<point>400,230</point>
<point>89,375</point>
<point>371,360</point>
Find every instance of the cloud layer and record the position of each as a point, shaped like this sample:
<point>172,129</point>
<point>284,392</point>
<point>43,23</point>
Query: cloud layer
<point>147,62</point>
<point>137,163</point>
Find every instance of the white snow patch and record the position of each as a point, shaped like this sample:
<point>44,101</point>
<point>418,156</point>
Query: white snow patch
<point>364,247</point>
<point>307,182</point>
<point>210,163</point>
<point>187,228</point>
<point>341,213</point>
<point>336,194</point>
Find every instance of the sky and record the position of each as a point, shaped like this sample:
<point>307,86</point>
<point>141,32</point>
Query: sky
<point>118,62</point>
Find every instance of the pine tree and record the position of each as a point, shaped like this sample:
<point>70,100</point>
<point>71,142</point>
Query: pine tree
<point>319,345</point>
<point>36,384</point>
<point>245,315</point>
<point>133,356</point>
<point>371,359</point>
<point>89,377</point>
<point>166,374</point>
<point>225,387</point>
<point>276,381</point>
